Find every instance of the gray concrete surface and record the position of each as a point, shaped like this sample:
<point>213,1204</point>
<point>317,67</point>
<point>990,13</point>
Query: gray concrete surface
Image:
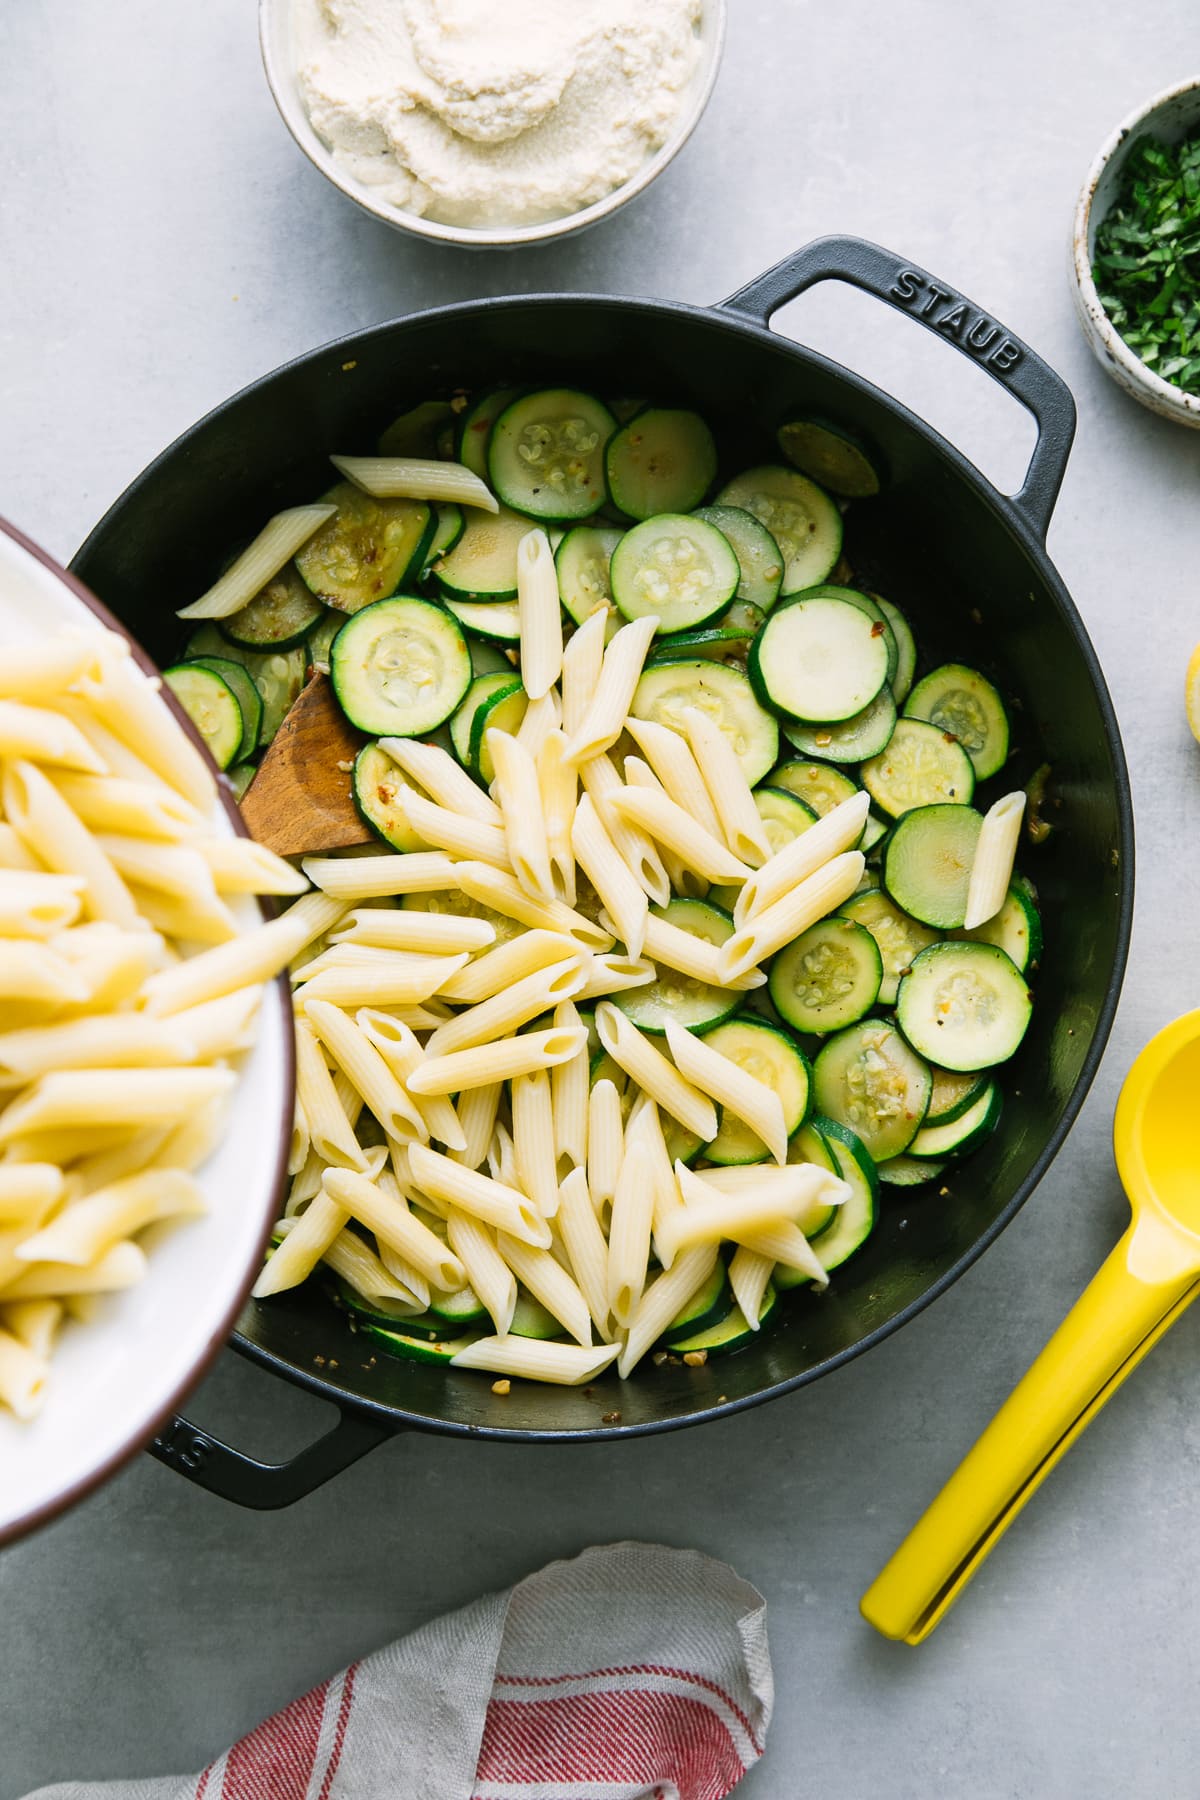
<point>161,242</point>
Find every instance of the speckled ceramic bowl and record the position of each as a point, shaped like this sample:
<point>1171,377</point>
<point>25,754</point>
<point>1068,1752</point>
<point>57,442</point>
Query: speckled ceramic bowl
<point>1170,115</point>
<point>279,61</point>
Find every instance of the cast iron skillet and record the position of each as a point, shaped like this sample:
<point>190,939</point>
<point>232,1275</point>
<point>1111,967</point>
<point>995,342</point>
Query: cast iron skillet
<point>970,567</point>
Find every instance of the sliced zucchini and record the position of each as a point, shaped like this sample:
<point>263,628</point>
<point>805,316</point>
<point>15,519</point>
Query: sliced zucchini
<point>281,614</point>
<point>732,1332</point>
<point>961,1134</point>
<point>818,784</point>
<point>759,556</point>
<point>909,1170</point>
<point>582,561</point>
<point>709,1303</point>
<point>531,1320</point>
<point>674,568</point>
<point>853,740</point>
<point>487,658</point>
<point>906,649</point>
<point>498,621</point>
<point>853,1221</point>
<point>1016,929</point>
<point>927,860</point>
<point>393,1314</point>
<point>501,711</point>
<point>921,766</point>
<point>449,523</point>
<point>726,638</point>
<point>368,548</point>
<point>236,676</point>
<point>773,1057</point>
<point>418,1349</point>
<point>546,454</point>
<point>277,674</point>
<point>874,832</point>
<point>460,1310</point>
<point>483,563</point>
<point>828,978</point>
<point>899,938</point>
<point>725,694</point>
<point>819,660</point>
<point>964,1006</point>
<point>800,516</point>
<point>416,432</point>
<point>953,1093</point>
<point>674,996</point>
<point>784,815</point>
<point>498,700</point>
<point>240,776</point>
<point>865,603</point>
<point>663,461</point>
<point>840,460</point>
<point>959,700</point>
<point>375,783</point>
<point>399,667</point>
<point>212,706</point>
<point>475,427</point>
<point>868,1079</point>
<point>320,639</point>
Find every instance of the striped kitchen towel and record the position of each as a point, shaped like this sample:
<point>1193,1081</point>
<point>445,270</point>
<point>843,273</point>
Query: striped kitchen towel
<point>633,1672</point>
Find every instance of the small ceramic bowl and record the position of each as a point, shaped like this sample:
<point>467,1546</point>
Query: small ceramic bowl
<point>115,1378</point>
<point>1171,115</point>
<point>275,39</point>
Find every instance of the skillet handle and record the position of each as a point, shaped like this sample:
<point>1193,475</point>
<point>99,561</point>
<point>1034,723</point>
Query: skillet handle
<point>223,1470</point>
<point>939,308</point>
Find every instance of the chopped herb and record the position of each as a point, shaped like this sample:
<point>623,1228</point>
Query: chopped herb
<point>1147,259</point>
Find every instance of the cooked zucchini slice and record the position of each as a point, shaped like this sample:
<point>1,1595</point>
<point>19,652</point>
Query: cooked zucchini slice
<point>247,695</point>
<point>818,784</point>
<point>759,556</point>
<point>320,639</point>
<point>772,1057</point>
<point>546,454</point>
<point>953,1093</point>
<point>498,621</point>
<point>663,461</point>
<point>483,563</point>
<point>501,711</point>
<point>459,1310</point>
<point>899,938</point>
<point>1016,928</point>
<point>240,776</point>
<point>785,815</point>
<point>212,706</point>
<point>866,734</point>
<point>828,978</point>
<point>277,674</point>
<point>874,832</point>
<point>487,657</point>
<point>725,694</point>
<point>927,862</point>
<point>921,766</point>
<point>965,1006</point>
<point>504,683</point>
<point>449,524</point>
<point>368,548</point>
<point>799,515</point>
<point>399,667</point>
<point>417,431</point>
<point>869,1079</point>
<point>475,428</point>
<point>674,568</point>
<point>418,1349</point>
<point>674,996</point>
<point>582,561</point>
<point>908,1170</point>
<point>732,1332</point>
<point>839,459</point>
<point>956,1136</point>
<point>960,701</point>
<point>727,638</point>
<point>853,1221</point>
<point>819,660</point>
<point>710,1302</point>
<point>906,649</point>
<point>281,614</point>
<point>865,603</point>
<point>375,783</point>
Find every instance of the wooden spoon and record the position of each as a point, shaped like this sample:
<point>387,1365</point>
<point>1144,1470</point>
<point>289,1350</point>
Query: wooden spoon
<point>300,802</point>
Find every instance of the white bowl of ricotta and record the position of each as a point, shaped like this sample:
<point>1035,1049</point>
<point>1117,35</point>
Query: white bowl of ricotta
<point>479,124</point>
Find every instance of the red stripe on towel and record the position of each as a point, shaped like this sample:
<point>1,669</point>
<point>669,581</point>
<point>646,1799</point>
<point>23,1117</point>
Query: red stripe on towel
<point>275,1761</point>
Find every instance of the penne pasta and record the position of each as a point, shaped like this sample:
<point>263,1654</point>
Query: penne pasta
<point>558,791</point>
<point>612,973</point>
<point>634,1053</point>
<point>586,1246</point>
<point>378,877</point>
<point>668,824</point>
<point>44,670</point>
<point>995,854</point>
<point>435,934</point>
<point>36,972</point>
<point>550,1284</point>
<point>708,1216</point>
<point>37,735</point>
<point>813,899</point>
<point>498,1060</point>
<point>720,767</point>
<point>411,478</point>
<point>108,1040</point>
<point>503,1013</point>
<point>393,1223</point>
<point>361,1063</point>
<point>86,1229</point>
<point>839,830</point>
<point>540,613</point>
<point>221,1027</point>
<point>137,808</point>
<point>788,1245</point>
<point>645,1127</point>
<point>541,718</point>
<point>600,782</point>
<point>569,1096</point>
<point>508,963</point>
<point>69,1099</point>
<point>247,960</point>
<point>608,709</point>
<point>567,1365</point>
<point>691,955</point>
<point>330,1129</point>
<point>749,1274</point>
<point>504,894</point>
<point>400,1050</point>
<point>583,660</point>
<point>132,1153</point>
<point>682,880</point>
<point>624,900</point>
<point>34,1323</point>
<point>23,1376</point>
<point>667,1294</point>
<point>533,1138</point>
<point>671,757</point>
<point>442,778</point>
<point>121,1267</point>
<point>739,1092</point>
<point>260,562</point>
<point>516,790</point>
<point>487,1272</point>
<point>351,1257</point>
<point>629,1232</point>
<point>477,1108</point>
<point>15,853</point>
<point>373,984</point>
<point>605,1143</point>
<point>200,919</point>
<point>131,707</point>
<point>38,905</point>
<point>38,812</point>
<point>497,1204</point>
<point>28,1191</point>
<point>501,1157</point>
<point>455,833</point>
<point>240,866</point>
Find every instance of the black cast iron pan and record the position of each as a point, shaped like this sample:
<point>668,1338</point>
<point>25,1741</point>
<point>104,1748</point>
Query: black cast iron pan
<point>970,567</point>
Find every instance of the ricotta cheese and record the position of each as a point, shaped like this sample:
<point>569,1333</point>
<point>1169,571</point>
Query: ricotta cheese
<point>494,112</point>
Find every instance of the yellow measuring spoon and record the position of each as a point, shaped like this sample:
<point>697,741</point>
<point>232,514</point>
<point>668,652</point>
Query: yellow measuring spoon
<point>1140,1290</point>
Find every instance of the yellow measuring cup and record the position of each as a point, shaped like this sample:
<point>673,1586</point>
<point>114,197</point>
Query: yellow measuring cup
<point>1139,1291</point>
